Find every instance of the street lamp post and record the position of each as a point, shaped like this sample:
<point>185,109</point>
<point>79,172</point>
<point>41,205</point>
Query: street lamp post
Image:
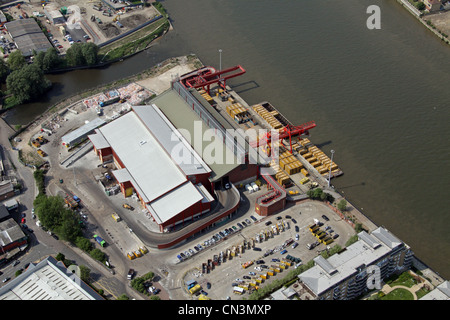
<point>220,59</point>
<point>329,174</point>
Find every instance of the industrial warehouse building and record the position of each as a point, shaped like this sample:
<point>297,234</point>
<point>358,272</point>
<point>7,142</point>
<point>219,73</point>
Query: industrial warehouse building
<point>77,136</point>
<point>156,159</point>
<point>140,143</point>
<point>48,280</point>
<point>12,238</point>
<point>28,36</point>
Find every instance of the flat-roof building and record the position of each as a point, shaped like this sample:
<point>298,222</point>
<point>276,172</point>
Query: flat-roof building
<point>441,292</point>
<point>12,238</point>
<point>28,36</point>
<point>344,275</point>
<point>141,143</point>
<point>77,136</point>
<point>48,280</point>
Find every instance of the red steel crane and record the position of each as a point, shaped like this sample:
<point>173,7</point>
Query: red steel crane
<point>288,131</point>
<point>206,76</point>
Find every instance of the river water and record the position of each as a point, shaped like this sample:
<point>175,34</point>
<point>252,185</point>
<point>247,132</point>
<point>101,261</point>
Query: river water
<point>379,97</point>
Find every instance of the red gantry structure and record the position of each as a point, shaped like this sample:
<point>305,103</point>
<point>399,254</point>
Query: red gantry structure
<point>205,77</point>
<point>288,131</point>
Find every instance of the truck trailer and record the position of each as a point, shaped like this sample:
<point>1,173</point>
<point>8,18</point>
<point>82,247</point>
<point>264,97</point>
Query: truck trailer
<point>99,240</point>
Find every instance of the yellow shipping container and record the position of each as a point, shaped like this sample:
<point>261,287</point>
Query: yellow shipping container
<point>289,170</point>
<point>284,180</point>
<point>311,159</point>
<point>307,155</point>
<point>316,164</point>
<point>298,164</point>
<point>304,172</point>
<point>291,159</point>
<point>323,170</point>
<point>302,151</point>
<point>304,141</point>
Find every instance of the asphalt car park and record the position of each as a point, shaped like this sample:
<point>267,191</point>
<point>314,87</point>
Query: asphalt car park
<point>224,275</point>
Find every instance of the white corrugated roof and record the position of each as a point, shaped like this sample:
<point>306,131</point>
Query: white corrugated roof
<point>98,140</point>
<point>174,202</point>
<point>146,161</point>
<point>171,140</point>
<point>47,281</point>
<point>83,130</point>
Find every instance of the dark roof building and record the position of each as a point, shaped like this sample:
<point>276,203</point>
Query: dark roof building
<point>28,36</point>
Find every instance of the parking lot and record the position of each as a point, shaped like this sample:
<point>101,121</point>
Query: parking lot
<point>256,250</point>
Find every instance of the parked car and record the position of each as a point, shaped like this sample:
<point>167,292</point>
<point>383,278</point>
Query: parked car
<point>268,223</point>
<point>294,221</point>
<point>253,218</point>
<point>335,236</point>
<point>325,218</point>
<point>297,229</point>
<point>283,252</point>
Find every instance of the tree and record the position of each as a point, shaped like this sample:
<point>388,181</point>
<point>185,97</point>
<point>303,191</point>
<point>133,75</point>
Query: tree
<point>74,55</point>
<point>55,216</point>
<point>85,273</point>
<point>420,5</point>
<point>83,243</point>
<point>48,210</point>
<point>315,193</point>
<point>60,257</point>
<point>80,54</point>
<point>16,60</point>
<point>69,228</point>
<point>51,60</point>
<point>4,70</point>
<point>90,53</point>
<point>342,205</point>
<point>27,83</point>
<point>98,255</point>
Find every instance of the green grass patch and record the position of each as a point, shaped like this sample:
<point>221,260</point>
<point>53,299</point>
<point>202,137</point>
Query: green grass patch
<point>404,279</point>
<point>398,294</point>
<point>134,42</point>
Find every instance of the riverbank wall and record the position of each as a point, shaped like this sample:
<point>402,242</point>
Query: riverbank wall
<point>422,19</point>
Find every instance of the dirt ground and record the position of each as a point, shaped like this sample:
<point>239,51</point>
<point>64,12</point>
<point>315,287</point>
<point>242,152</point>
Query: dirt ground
<point>441,21</point>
